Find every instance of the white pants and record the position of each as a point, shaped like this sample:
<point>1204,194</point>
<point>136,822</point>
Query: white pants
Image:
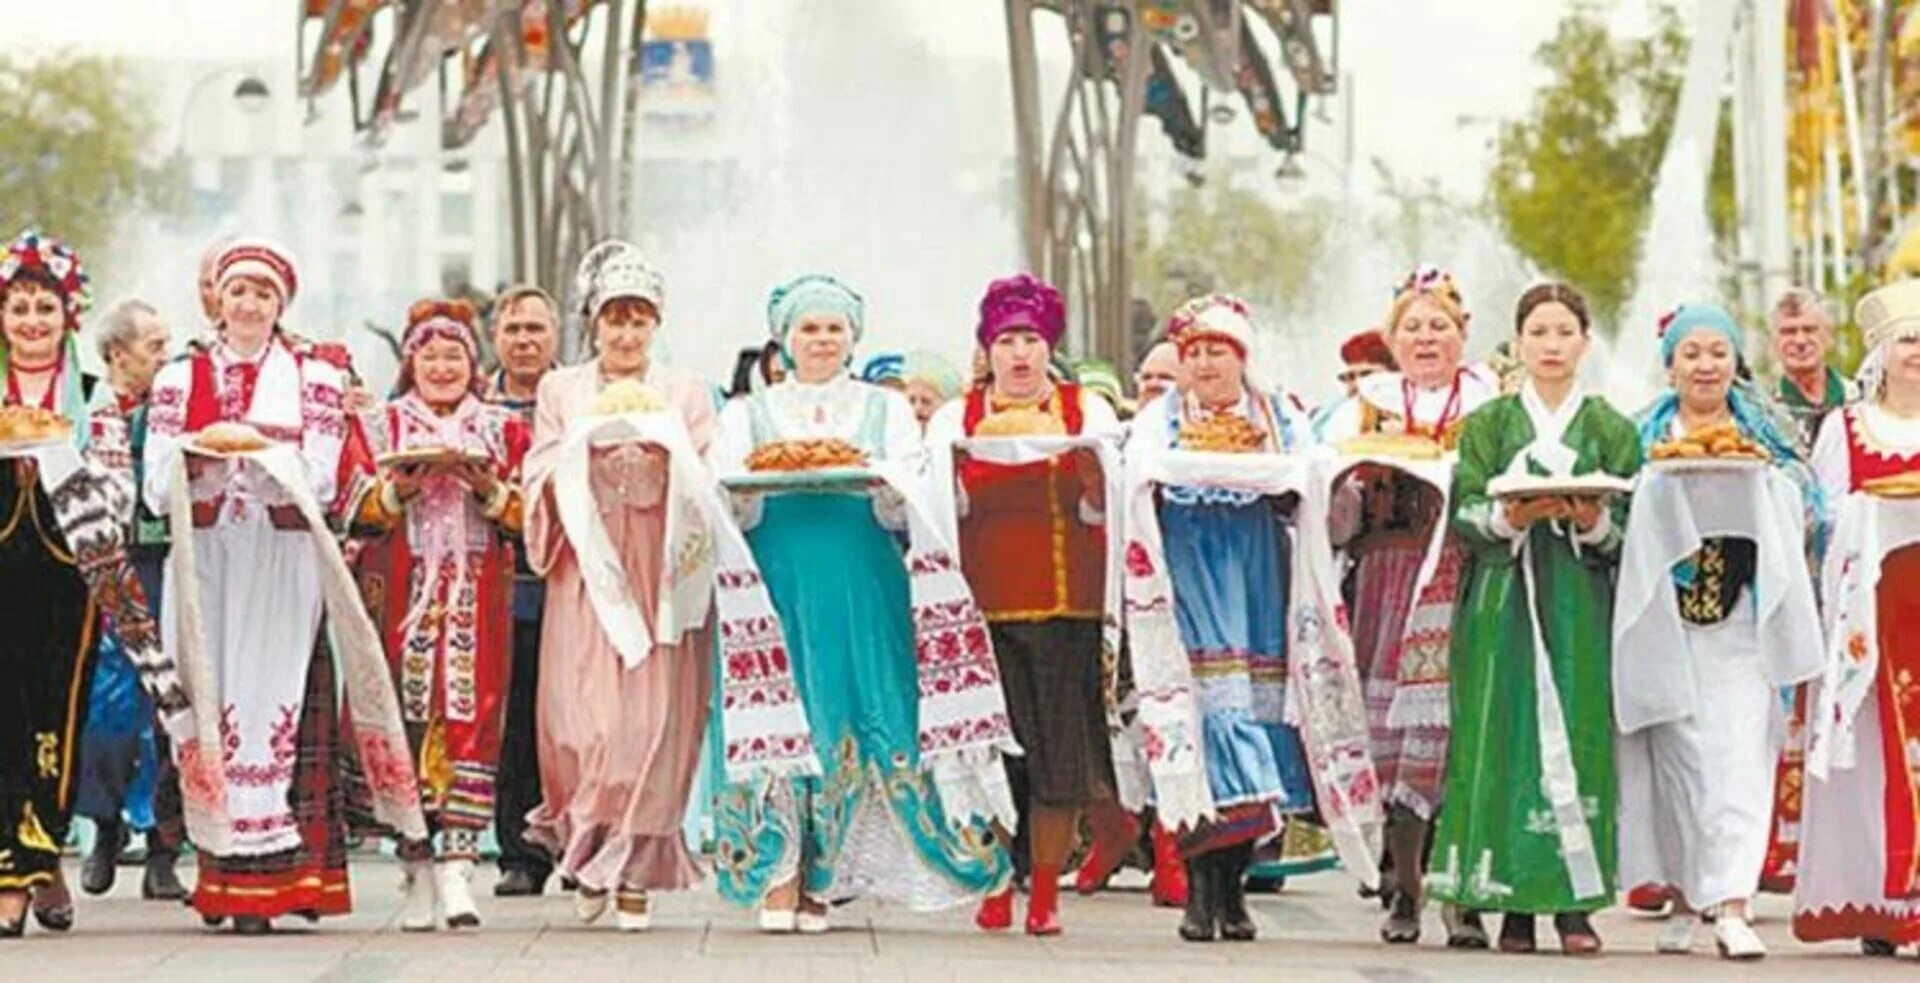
<point>1696,795</point>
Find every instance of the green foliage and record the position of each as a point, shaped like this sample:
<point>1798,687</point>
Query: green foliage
<point>1232,239</point>
<point>71,131</point>
<point>1572,181</point>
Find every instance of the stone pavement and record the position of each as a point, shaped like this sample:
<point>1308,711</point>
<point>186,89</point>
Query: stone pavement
<point>1316,930</point>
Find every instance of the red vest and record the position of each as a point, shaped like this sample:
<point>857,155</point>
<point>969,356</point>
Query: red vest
<point>1023,547</point>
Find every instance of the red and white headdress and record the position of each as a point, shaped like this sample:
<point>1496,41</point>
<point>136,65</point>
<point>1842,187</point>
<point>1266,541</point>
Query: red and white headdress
<point>263,259</point>
<point>436,320</point>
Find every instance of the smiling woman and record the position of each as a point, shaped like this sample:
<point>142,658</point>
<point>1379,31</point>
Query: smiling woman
<point>439,538</point>
<point>59,570</point>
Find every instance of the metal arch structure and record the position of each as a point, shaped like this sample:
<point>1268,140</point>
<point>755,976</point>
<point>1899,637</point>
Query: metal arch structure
<point>1076,154</point>
<point>569,137</point>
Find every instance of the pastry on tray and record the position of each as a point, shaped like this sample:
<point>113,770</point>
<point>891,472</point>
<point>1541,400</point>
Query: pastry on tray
<point>813,454</point>
<point>627,396</point>
<point>32,425</point>
<point>1903,485</point>
<point>1021,422</point>
<point>1224,434</point>
<point>230,438</point>
<point>1412,447</point>
<point>1722,441</point>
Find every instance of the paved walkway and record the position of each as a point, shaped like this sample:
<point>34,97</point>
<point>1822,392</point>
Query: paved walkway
<point>1317,930</point>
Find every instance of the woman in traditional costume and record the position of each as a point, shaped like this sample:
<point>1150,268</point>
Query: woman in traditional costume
<point>1859,872</point>
<point>883,651</point>
<point>437,575</point>
<point>620,721</point>
<point>1044,606</point>
<point>243,455</point>
<point>1406,574</point>
<point>68,489</point>
<point>1229,556</point>
<point>1707,629</point>
<point>1527,826</point>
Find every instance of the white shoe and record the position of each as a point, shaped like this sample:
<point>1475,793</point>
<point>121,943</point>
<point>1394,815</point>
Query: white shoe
<point>1676,936</point>
<point>454,878</point>
<point>810,922</point>
<point>417,911</point>
<point>589,906</point>
<point>1737,940</point>
<point>777,922</point>
<point>630,912</point>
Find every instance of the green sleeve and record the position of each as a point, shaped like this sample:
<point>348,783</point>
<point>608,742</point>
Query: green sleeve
<point>1619,455</point>
<point>1472,506</point>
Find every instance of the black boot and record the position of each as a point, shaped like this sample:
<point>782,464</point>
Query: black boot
<point>160,882</point>
<point>97,871</point>
<point>1202,904</point>
<point>1236,923</point>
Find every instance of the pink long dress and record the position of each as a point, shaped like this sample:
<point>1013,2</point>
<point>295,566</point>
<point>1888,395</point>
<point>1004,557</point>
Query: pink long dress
<point>619,748</point>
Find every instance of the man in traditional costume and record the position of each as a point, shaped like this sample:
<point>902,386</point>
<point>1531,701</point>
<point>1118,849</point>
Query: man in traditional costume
<point>1527,822</point>
<point>1715,615</point>
<point>890,655</point>
<point>128,781</point>
<point>526,335</point>
<point>243,456</point>
<point>1859,871</point>
<point>62,558</point>
<point>1033,544</point>
<point>1389,519</point>
<point>437,574</point>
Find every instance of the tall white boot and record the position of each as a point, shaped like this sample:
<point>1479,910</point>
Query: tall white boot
<point>454,879</point>
<point>417,912</point>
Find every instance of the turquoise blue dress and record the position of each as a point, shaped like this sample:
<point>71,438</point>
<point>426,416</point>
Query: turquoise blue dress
<point>872,823</point>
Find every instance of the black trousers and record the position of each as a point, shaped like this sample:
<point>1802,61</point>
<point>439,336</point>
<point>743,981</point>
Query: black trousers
<point>517,789</point>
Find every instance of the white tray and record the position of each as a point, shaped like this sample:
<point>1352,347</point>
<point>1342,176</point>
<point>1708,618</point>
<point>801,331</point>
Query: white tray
<point>1585,485</point>
<point>28,448</point>
<point>815,480</point>
<point>1687,465</point>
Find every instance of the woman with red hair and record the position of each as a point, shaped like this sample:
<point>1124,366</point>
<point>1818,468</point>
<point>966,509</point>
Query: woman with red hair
<point>437,571</point>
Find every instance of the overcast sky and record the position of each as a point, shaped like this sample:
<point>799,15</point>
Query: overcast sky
<point>1417,65</point>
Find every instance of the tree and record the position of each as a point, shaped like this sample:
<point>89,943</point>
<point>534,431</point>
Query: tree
<point>1572,181</point>
<point>1222,237</point>
<point>71,130</point>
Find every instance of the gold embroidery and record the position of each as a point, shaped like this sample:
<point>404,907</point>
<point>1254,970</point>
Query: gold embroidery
<point>1701,602</point>
<point>32,835</point>
<point>46,756</point>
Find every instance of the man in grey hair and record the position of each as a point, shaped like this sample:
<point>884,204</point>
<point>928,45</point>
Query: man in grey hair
<point>127,779</point>
<point>1802,339</point>
<point>133,344</point>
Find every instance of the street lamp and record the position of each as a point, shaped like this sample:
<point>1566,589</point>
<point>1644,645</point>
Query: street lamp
<point>250,94</point>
